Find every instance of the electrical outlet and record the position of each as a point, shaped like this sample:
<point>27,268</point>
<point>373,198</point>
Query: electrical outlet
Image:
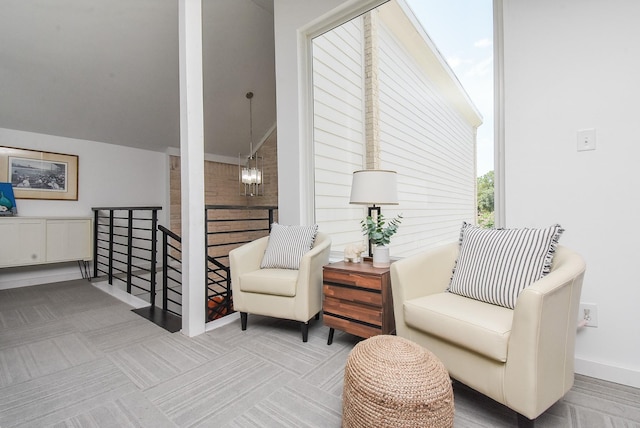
<point>589,313</point>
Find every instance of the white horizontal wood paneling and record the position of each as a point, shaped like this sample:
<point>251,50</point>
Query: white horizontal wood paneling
<point>424,136</point>
<point>338,130</point>
<point>431,146</point>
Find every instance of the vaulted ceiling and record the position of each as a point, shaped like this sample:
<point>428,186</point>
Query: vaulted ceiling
<point>107,71</point>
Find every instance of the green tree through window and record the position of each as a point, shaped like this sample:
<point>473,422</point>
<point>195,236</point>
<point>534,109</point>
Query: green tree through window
<point>485,200</point>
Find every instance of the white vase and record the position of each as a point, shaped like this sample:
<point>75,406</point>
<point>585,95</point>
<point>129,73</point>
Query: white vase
<point>381,256</point>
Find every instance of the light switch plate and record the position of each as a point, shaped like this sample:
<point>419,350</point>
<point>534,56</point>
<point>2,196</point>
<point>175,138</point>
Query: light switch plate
<point>586,139</point>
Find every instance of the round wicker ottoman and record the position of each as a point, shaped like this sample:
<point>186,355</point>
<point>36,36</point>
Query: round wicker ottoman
<point>390,381</point>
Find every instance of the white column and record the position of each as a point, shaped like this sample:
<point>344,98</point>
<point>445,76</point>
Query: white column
<point>192,168</point>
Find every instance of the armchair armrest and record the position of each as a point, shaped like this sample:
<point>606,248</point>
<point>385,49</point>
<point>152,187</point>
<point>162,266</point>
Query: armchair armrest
<point>309,286</point>
<point>316,257</point>
<point>542,343</point>
<point>247,258</point>
<point>428,272</point>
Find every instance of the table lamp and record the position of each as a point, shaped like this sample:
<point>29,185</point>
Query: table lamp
<point>374,187</point>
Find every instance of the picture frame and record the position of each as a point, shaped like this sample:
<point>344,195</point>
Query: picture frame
<point>7,200</point>
<point>36,174</point>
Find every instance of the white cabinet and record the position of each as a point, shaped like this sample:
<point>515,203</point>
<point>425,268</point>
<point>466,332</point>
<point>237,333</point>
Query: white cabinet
<point>29,240</point>
<point>22,241</point>
<point>69,239</point>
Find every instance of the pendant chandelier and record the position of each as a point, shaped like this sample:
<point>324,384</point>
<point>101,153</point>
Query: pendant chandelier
<point>250,171</point>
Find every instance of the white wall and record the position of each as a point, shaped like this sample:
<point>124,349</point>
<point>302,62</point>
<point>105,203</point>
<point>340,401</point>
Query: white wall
<point>108,175</point>
<point>570,65</point>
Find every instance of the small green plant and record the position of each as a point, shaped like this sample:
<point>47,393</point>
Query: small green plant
<point>378,231</point>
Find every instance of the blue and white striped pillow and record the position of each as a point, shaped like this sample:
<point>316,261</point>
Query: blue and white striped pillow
<point>287,245</point>
<point>495,265</point>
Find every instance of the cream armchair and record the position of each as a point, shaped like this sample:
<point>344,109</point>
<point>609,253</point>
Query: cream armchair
<point>281,293</point>
<point>522,358</point>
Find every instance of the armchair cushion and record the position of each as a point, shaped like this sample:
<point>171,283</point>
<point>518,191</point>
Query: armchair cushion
<point>465,322</point>
<point>278,282</point>
<point>495,265</point>
<point>287,245</point>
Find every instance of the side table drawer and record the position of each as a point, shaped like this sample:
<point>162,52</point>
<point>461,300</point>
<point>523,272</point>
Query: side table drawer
<point>360,330</point>
<point>352,279</point>
<point>353,294</point>
<point>354,311</point>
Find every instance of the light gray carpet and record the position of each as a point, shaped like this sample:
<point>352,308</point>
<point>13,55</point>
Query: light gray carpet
<point>73,356</point>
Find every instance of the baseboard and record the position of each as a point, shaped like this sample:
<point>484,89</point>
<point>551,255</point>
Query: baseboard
<point>45,278</point>
<point>121,295</point>
<point>227,319</point>
<point>621,375</point>
<point>139,303</point>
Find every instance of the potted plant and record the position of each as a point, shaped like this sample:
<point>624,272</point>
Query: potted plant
<point>379,233</point>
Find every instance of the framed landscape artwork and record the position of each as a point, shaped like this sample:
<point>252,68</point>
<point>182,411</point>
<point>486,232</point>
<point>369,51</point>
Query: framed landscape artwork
<point>39,175</point>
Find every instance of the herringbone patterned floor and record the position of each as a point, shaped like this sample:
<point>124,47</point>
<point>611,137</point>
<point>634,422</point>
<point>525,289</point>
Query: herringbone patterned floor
<point>73,356</point>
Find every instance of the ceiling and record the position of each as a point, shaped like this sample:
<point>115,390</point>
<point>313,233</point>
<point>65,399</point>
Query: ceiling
<point>107,71</point>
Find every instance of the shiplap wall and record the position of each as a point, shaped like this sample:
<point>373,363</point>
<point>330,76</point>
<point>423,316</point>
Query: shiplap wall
<point>423,137</point>
<point>432,147</point>
<point>338,130</point>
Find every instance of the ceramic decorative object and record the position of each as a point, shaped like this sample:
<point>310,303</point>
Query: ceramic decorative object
<point>353,253</point>
<point>381,257</point>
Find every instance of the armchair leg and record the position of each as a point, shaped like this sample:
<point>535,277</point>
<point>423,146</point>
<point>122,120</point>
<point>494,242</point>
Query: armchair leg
<point>305,330</point>
<point>525,422</point>
<point>243,320</point>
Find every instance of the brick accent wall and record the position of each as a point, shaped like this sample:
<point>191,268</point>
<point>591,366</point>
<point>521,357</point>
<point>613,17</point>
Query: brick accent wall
<point>371,90</point>
<point>222,188</point>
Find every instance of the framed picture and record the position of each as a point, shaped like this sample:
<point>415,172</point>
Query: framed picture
<point>39,175</point>
<point>7,200</point>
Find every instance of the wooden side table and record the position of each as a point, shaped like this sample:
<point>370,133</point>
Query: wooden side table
<point>357,299</point>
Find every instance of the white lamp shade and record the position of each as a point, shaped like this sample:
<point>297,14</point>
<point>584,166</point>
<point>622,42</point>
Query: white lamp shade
<point>374,187</point>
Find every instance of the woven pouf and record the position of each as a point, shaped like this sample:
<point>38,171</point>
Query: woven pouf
<point>390,381</point>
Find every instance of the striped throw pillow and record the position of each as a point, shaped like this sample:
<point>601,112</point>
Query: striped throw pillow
<point>495,265</point>
<point>287,245</point>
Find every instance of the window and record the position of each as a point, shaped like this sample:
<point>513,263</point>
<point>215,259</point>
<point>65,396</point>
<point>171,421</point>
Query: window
<point>384,98</point>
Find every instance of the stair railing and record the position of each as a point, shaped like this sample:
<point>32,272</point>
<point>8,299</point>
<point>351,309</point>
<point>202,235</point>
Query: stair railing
<point>125,247</point>
<point>125,250</point>
<point>171,271</point>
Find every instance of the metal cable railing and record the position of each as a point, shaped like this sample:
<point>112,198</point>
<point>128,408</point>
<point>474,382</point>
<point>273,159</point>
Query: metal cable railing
<point>219,302</point>
<point>228,227</point>
<point>125,248</point>
<point>171,271</point>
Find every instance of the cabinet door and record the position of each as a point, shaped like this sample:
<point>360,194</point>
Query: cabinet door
<point>68,239</point>
<point>21,242</point>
